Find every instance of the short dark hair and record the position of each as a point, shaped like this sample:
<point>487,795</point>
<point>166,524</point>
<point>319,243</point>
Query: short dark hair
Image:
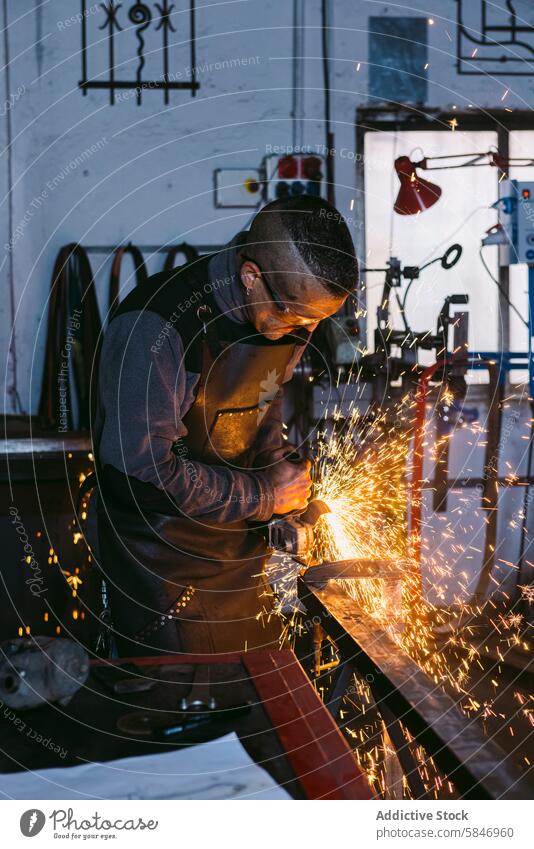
<point>322,238</point>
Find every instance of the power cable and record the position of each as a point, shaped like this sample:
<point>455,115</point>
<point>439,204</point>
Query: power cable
<point>500,288</point>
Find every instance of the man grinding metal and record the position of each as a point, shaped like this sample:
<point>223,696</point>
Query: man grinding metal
<point>188,433</point>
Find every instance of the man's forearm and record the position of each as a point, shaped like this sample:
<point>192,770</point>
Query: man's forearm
<point>216,493</point>
<point>145,396</point>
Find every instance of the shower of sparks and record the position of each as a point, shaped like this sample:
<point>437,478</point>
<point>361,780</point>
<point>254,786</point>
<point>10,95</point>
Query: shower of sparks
<point>362,471</point>
<point>363,480</point>
<point>363,484</point>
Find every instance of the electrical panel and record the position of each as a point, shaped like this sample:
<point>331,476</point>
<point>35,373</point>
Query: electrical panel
<point>281,176</point>
<point>516,217</point>
<point>344,339</point>
<point>525,221</point>
<point>238,187</point>
<point>294,174</point>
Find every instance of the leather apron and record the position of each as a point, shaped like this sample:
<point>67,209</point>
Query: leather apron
<point>181,584</point>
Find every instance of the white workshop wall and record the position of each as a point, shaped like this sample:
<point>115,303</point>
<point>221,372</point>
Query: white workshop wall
<point>150,180</point>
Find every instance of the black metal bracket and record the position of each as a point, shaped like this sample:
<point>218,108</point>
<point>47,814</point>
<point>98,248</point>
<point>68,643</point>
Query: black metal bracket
<point>493,39</point>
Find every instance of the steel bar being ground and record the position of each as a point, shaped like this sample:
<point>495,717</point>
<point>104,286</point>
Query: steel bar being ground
<point>471,761</point>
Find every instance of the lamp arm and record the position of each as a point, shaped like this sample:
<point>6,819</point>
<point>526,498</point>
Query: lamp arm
<point>471,162</point>
<point>454,156</point>
<point>494,158</point>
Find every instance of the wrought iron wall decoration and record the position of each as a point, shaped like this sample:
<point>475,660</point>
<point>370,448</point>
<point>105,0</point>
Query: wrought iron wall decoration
<point>493,39</point>
<point>136,36</point>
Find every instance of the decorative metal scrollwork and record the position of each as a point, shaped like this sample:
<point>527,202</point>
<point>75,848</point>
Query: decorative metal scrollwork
<point>136,25</point>
<point>492,39</point>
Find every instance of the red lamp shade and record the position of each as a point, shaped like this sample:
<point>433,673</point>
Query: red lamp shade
<point>415,194</point>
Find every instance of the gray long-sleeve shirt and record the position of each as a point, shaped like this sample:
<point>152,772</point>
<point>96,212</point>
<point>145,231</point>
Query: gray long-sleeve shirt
<point>145,392</point>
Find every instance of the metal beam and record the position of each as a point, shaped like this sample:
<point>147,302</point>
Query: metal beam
<point>476,765</point>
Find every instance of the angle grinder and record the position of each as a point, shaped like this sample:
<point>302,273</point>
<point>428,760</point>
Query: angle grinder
<point>293,532</point>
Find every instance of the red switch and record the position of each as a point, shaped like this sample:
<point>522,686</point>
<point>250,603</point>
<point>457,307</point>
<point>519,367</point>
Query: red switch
<point>311,168</point>
<point>288,168</point>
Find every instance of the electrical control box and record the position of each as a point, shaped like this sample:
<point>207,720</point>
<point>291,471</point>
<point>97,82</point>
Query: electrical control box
<point>294,174</point>
<point>343,334</point>
<point>516,217</point>
<point>525,221</point>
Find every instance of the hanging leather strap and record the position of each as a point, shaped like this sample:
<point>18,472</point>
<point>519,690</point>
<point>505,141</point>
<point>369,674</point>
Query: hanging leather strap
<point>188,252</point>
<point>72,343</point>
<point>141,275</point>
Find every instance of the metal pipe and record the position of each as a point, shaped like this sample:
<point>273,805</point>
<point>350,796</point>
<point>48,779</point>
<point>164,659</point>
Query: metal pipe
<point>108,249</point>
<point>297,109</point>
<point>326,31</point>
<point>418,457</point>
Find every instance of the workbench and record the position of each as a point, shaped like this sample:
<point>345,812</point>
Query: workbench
<point>288,731</point>
<point>407,697</point>
<point>39,479</point>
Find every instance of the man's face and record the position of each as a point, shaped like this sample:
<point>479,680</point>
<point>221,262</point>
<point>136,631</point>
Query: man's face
<point>305,299</point>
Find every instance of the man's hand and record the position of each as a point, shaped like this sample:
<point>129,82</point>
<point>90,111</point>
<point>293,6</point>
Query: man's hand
<point>291,482</point>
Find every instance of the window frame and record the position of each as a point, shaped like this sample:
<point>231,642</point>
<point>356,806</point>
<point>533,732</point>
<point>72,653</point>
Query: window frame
<point>393,118</point>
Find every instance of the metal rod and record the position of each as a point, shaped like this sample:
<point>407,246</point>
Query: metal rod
<point>515,160</point>
<point>111,55</point>
<point>456,155</point>
<point>137,85</point>
<point>476,483</point>
<point>477,766</point>
<point>165,27</point>
<point>12,389</point>
<point>297,108</point>
<point>491,472</point>
<point>193,84</point>
<point>417,462</point>
<point>84,46</point>
<point>108,249</point>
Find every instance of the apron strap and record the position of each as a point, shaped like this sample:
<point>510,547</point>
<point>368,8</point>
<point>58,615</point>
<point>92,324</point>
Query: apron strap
<point>161,619</point>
